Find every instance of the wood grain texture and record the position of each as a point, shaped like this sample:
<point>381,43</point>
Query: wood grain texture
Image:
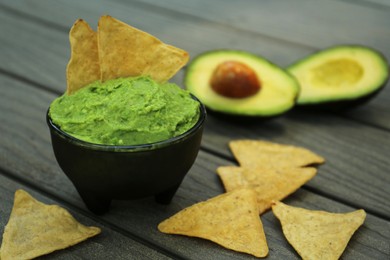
<point>44,27</point>
<point>376,4</point>
<point>109,244</point>
<point>26,137</point>
<point>313,24</point>
<point>355,154</point>
<point>307,129</point>
<point>317,23</point>
<point>313,130</point>
<point>173,30</point>
<point>34,53</point>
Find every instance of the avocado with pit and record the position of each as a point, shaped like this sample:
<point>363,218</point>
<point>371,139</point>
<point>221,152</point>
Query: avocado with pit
<point>340,77</point>
<point>240,83</point>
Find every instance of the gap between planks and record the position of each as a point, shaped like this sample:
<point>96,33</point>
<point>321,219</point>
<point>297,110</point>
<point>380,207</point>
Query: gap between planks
<point>369,3</point>
<point>6,173</point>
<point>203,148</point>
<point>159,9</point>
<point>171,12</point>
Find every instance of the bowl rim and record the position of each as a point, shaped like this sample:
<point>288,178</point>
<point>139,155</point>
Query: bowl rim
<point>131,148</point>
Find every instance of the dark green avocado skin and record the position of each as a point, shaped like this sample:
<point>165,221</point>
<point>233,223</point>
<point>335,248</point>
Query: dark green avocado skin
<point>344,104</point>
<point>232,117</point>
<point>246,119</point>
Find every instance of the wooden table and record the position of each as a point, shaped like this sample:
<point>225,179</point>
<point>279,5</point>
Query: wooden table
<point>356,144</point>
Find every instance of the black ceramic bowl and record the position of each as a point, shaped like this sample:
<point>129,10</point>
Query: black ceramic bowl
<point>102,173</point>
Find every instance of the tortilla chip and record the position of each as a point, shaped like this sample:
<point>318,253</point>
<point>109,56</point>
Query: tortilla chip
<point>270,184</point>
<point>36,229</point>
<point>166,62</point>
<point>251,153</point>
<point>230,220</point>
<point>317,234</point>
<point>125,51</point>
<point>83,67</point>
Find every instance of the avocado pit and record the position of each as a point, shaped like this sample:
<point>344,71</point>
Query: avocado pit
<point>234,79</point>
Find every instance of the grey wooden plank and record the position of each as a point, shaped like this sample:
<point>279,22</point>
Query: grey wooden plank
<point>47,44</point>
<point>25,151</point>
<point>29,50</point>
<point>220,131</point>
<point>377,4</point>
<point>312,23</point>
<point>216,137</point>
<point>318,24</point>
<point>311,202</point>
<point>26,154</point>
<point>109,244</point>
<point>39,167</point>
<point>356,167</point>
<point>182,198</point>
<point>40,25</point>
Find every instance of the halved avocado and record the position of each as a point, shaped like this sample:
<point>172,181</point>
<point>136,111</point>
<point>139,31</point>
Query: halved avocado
<point>276,94</point>
<point>340,77</point>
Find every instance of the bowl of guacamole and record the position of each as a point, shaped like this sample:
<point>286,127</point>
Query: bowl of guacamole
<point>126,138</point>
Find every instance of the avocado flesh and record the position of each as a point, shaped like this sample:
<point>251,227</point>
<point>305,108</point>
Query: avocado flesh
<point>341,74</point>
<point>277,95</point>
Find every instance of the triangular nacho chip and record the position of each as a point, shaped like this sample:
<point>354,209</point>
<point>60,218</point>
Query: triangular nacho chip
<point>166,62</point>
<point>83,67</point>
<point>36,229</point>
<point>230,220</point>
<point>263,153</point>
<point>270,184</point>
<point>125,51</point>
<point>317,234</point>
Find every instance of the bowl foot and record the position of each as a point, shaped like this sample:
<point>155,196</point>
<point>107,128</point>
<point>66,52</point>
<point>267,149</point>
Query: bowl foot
<point>97,204</point>
<point>166,196</point>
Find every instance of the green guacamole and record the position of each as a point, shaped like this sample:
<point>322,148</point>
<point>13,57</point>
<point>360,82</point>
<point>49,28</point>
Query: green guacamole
<point>125,111</point>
